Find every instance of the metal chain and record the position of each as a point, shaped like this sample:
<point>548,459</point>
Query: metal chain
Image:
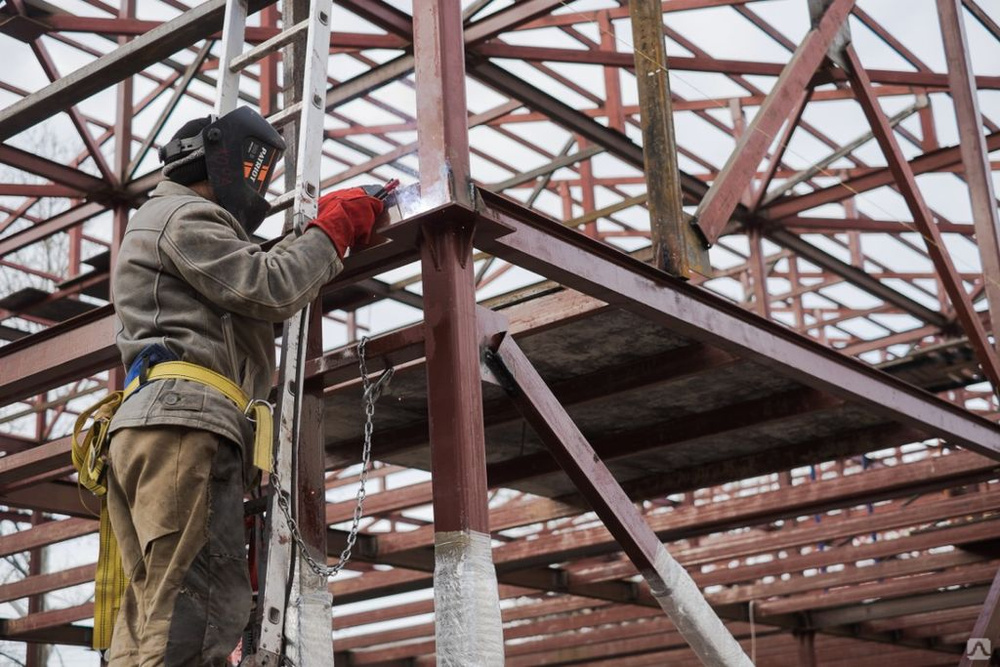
<point>372,391</point>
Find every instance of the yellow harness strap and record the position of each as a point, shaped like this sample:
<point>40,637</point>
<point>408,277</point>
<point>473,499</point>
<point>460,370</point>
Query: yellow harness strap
<point>89,455</point>
<point>257,411</point>
<point>90,461</point>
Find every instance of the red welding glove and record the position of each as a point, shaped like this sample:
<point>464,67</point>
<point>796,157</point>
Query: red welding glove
<point>347,217</point>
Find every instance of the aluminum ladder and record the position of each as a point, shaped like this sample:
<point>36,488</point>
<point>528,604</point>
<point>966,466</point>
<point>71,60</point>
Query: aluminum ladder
<point>294,607</point>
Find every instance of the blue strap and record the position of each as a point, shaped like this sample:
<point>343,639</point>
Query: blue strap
<point>146,359</point>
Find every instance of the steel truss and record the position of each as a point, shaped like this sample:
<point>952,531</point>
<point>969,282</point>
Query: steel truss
<point>824,505</point>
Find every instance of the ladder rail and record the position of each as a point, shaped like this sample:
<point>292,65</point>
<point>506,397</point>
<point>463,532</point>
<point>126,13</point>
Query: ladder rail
<point>310,153</point>
<point>308,625</point>
<point>233,36</point>
<point>294,602</point>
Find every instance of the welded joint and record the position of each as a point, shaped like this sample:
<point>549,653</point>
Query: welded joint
<point>817,9</point>
<point>495,371</point>
<point>492,328</point>
<point>433,233</point>
<point>699,232</point>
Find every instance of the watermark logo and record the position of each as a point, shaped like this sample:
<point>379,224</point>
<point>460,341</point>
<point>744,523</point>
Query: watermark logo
<point>978,648</point>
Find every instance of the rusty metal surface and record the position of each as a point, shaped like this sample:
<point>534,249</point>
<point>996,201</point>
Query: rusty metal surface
<point>779,470</point>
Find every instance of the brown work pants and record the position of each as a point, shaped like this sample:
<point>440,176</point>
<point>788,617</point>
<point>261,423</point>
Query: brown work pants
<point>175,499</point>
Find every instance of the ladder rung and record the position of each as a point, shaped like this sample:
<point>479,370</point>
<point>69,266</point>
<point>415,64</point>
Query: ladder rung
<point>285,116</point>
<point>267,47</point>
<point>283,201</point>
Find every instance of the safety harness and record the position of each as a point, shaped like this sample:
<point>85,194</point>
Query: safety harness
<point>90,458</point>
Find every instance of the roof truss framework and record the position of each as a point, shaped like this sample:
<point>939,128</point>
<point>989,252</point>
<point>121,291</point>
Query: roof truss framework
<point>585,168</point>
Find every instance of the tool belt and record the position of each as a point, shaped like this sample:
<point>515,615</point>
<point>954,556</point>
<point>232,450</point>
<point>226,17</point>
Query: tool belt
<point>90,458</point>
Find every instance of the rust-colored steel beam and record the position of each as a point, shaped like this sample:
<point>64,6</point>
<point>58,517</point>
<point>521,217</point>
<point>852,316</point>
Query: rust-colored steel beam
<point>703,63</point>
<point>719,203</point>
<point>42,230</point>
<point>122,27</point>
<point>442,123</point>
<point>901,587</point>
<point>78,348</point>
<point>79,122</point>
<point>923,219</point>
<point>45,534</point>
<point>467,619</point>
<point>792,537</point>
<point>669,583</point>
<point>54,171</point>
<point>567,257</point>
<point>677,248</point>
<point>12,628</point>
<point>686,523</point>
<point>942,158</point>
<point>46,583</point>
<point>978,170</point>
<point>832,225</point>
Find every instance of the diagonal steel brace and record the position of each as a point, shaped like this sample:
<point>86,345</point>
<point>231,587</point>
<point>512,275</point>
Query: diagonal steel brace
<point>506,365</point>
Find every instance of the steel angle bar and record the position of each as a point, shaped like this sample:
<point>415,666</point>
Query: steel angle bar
<point>858,277</point>
<point>546,169</point>
<point>266,48</point>
<point>54,171</point>
<point>794,118</point>
<point>983,18</point>
<point>41,230</point>
<point>941,159</point>
<point>843,151</point>
<point>719,203</point>
<point>547,248</point>
<point>381,14</point>
<point>182,86</point>
<point>669,583</point>
<point>509,19</point>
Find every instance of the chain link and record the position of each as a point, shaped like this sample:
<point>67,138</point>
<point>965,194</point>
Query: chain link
<point>372,391</point>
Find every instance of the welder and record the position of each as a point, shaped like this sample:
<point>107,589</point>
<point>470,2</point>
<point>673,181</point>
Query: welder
<point>197,301</point>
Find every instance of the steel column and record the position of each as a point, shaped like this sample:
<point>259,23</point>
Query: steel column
<point>36,654</point>
<point>466,600</point>
<point>677,248</point>
<point>442,112</point>
<point>669,583</point>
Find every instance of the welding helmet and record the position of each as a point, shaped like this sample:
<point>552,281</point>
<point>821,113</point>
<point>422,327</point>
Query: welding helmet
<point>235,153</point>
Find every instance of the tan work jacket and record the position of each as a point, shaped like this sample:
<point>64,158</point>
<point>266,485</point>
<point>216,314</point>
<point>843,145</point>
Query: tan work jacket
<point>189,278</point>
